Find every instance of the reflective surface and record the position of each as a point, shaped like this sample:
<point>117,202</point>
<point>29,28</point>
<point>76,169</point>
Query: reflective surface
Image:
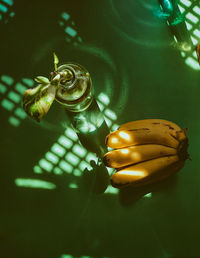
<point>53,190</point>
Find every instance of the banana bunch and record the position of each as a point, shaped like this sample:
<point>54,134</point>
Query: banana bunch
<point>146,151</point>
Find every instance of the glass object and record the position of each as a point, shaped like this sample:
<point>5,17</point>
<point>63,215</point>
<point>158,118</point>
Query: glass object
<point>74,92</point>
<point>177,25</point>
<point>170,8</point>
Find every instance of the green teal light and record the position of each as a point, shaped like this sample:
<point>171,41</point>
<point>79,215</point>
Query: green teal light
<point>20,88</point>
<point>9,2</point>
<point>104,99</point>
<point>100,105</point>
<point>13,94</point>
<point>45,165</point>
<point>80,39</point>
<point>110,114</point>
<point>197,33</point>
<point>110,170</point>
<point>179,19</point>
<point>57,171</point>
<point>73,186</point>
<point>28,82</point>
<point>73,159</point>
<point>80,151</point>
<point>65,16</point>
<point>14,97</point>
<point>37,170</point>
<point>51,157</point>
<point>12,14</point>
<point>3,8</point>
<point>3,88</point>
<point>91,157</point>
<point>194,41</point>
<point>188,25</point>
<point>57,149</point>
<point>20,113</point>
<point>66,142</point>
<point>82,256</point>
<point>71,134</point>
<point>111,190</point>
<point>114,127</point>
<point>192,17</point>
<point>186,2</point>
<point>191,11</point>
<point>148,195</point>
<point>168,6</point>
<point>194,54</point>
<point>192,63</point>
<point>7,104</point>
<point>108,122</point>
<point>181,9</point>
<point>69,30</point>
<point>83,165</point>
<point>66,166</point>
<point>34,183</point>
<point>66,256</point>
<point>7,79</point>
<point>77,172</point>
<point>61,23</point>
<point>14,121</point>
<point>196,9</point>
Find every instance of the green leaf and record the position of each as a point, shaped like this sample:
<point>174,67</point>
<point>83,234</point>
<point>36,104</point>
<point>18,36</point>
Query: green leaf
<point>56,79</point>
<point>42,80</point>
<point>56,61</point>
<point>37,101</point>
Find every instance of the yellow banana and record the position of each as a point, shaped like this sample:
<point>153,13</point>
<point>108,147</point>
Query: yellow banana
<point>124,138</point>
<point>149,123</point>
<point>134,154</point>
<point>152,124</point>
<point>149,131</point>
<point>147,171</point>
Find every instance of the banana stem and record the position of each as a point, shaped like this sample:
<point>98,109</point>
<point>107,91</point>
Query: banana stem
<point>182,150</point>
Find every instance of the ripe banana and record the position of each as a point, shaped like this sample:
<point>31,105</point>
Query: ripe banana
<point>147,172</point>
<point>149,123</point>
<point>146,151</point>
<point>134,154</point>
<point>149,131</point>
<point>125,138</point>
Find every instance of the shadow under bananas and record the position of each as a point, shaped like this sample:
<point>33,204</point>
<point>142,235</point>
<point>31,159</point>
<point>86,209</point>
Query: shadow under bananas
<point>95,181</point>
<point>130,195</point>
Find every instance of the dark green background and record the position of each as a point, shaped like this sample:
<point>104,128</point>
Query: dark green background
<point>149,80</point>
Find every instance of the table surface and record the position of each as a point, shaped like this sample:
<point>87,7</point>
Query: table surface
<point>137,72</point>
